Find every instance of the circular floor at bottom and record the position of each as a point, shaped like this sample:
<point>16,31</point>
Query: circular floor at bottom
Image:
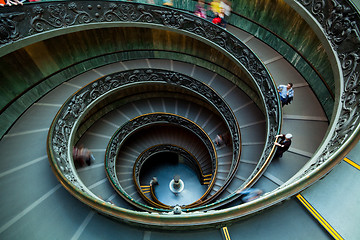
<point>164,166</point>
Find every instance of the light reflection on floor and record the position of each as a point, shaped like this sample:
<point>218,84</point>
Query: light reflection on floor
<point>165,167</point>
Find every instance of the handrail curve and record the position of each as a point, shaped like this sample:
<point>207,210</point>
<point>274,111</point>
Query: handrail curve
<point>82,101</point>
<point>220,39</point>
<point>135,125</point>
<point>165,148</point>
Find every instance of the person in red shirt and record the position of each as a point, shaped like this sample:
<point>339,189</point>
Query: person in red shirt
<point>219,19</point>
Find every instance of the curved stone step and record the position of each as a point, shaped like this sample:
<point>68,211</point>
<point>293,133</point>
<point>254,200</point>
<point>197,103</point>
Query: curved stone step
<point>84,223</point>
<point>147,139</point>
<point>304,118</point>
<point>96,138</point>
<point>149,105</point>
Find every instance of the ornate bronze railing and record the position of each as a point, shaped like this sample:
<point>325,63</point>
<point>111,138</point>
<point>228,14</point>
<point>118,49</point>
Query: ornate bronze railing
<point>66,17</point>
<point>339,21</point>
<point>75,14</point>
<point>72,112</point>
<point>189,157</point>
<point>42,19</point>
<point>188,83</point>
<point>135,125</point>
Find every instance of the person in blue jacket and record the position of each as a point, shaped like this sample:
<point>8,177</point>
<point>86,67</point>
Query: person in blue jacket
<point>286,93</point>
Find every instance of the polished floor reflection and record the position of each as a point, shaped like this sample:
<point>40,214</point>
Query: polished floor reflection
<point>164,166</point>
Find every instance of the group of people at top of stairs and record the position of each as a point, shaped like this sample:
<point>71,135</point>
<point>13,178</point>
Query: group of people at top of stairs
<point>10,2</point>
<point>219,11</point>
<point>15,2</point>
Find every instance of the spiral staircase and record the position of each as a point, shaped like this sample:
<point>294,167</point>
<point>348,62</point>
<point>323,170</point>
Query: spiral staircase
<point>132,80</point>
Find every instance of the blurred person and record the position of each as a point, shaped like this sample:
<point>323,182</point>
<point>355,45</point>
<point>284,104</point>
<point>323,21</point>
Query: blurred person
<point>168,3</point>
<point>78,161</point>
<point>225,8</point>
<point>200,10</point>
<point>219,140</point>
<point>10,2</point>
<point>87,155</point>
<point>154,181</point>
<point>219,20</point>
<point>215,8</point>
<point>82,155</point>
<point>250,194</point>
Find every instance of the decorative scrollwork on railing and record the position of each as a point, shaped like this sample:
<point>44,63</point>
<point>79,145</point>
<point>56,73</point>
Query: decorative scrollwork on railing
<point>194,163</point>
<point>340,23</point>
<point>8,27</point>
<point>134,125</point>
<point>49,16</point>
<point>223,108</point>
<point>70,114</point>
<point>144,156</point>
<point>60,15</point>
<point>337,18</point>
